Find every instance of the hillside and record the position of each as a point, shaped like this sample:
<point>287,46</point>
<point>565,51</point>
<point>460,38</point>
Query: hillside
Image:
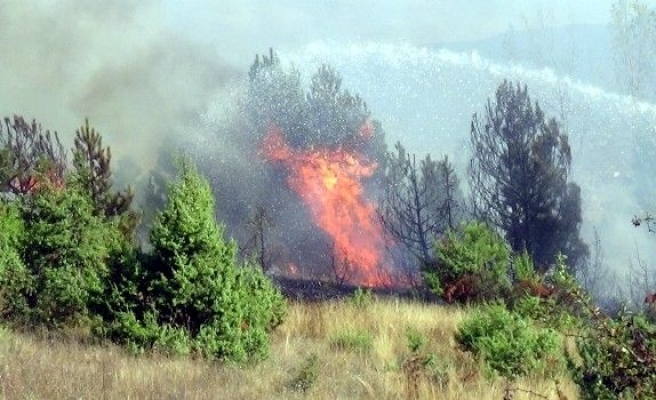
<point>360,352</point>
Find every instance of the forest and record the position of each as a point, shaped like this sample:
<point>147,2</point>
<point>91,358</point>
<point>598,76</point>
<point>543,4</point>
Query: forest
<point>296,222</point>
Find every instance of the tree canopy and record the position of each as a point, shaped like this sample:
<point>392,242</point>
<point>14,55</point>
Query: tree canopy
<point>519,178</point>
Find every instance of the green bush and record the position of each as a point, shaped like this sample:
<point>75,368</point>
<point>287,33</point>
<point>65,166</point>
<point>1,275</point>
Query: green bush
<point>617,359</point>
<point>190,294</point>
<point>475,260</point>
<point>416,341</point>
<point>65,250</point>
<point>508,343</point>
<point>13,274</point>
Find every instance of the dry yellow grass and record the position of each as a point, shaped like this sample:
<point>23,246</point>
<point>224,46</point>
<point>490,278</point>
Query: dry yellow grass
<point>33,368</point>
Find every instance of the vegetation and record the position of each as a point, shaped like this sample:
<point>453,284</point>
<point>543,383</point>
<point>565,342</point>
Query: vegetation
<point>472,265</point>
<point>70,268</point>
<point>519,178</point>
<point>508,343</point>
<point>302,362</point>
<point>69,261</point>
<point>200,300</point>
<point>93,174</point>
<point>65,249</point>
<point>421,202</point>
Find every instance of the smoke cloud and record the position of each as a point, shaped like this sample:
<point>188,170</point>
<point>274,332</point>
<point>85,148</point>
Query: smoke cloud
<point>117,63</point>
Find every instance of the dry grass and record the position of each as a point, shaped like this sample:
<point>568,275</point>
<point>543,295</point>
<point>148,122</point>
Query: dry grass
<point>33,368</point>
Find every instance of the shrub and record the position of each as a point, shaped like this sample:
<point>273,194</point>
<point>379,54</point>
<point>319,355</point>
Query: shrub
<point>472,264</point>
<point>618,360</point>
<point>415,339</point>
<point>194,295</point>
<point>550,299</point>
<point>13,274</point>
<point>508,343</point>
<point>65,251</point>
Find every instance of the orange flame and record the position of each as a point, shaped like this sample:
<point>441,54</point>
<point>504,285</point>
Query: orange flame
<point>328,183</point>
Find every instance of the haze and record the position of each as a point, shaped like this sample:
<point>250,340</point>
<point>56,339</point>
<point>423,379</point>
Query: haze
<point>148,73</point>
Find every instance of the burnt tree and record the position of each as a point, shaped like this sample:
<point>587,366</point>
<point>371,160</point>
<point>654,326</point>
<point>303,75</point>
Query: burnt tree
<point>519,178</point>
<point>421,201</point>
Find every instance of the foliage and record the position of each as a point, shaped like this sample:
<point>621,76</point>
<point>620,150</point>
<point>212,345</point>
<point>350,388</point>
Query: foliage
<point>546,299</point>
<point>362,298</point>
<point>472,264</point>
<point>416,340</point>
<point>519,178</point>
<point>616,356</point>
<point>28,156</point>
<point>65,252</point>
<point>92,164</point>
<point>197,297</point>
<point>13,273</point>
<point>420,202</point>
<point>509,344</point>
<point>419,364</point>
<point>618,361</point>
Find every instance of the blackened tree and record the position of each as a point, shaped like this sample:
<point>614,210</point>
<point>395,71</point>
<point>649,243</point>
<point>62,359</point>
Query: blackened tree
<point>421,201</point>
<point>519,178</point>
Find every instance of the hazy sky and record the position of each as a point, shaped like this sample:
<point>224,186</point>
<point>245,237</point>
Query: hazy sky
<point>249,27</point>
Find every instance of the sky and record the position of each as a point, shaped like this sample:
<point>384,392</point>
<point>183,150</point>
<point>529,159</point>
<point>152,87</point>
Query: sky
<point>249,27</point>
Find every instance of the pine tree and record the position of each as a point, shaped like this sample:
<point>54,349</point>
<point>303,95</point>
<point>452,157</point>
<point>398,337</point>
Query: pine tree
<point>519,178</point>
<point>92,163</point>
<point>196,295</point>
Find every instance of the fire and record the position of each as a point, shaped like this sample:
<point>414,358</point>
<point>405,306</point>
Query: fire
<point>328,182</point>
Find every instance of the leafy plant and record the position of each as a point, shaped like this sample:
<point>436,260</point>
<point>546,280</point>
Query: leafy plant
<point>420,364</point>
<point>509,344</point>
<point>616,356</point>
<point>13,274</point>
<point>65,252</point>
<point>193,295</point>
<point>472,264</point>
<point>416,340</point>
<point>618,360</point>
<point>93,174</point>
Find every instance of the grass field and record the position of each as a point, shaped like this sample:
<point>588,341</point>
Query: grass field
<point>327,350</point>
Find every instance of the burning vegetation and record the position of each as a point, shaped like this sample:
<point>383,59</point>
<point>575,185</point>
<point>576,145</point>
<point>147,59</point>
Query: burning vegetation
<point>328,182</point>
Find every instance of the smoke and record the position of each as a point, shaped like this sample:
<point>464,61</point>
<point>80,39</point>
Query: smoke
<point>147,87</point>
<point>425,98</point>
<point>117,63</point>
